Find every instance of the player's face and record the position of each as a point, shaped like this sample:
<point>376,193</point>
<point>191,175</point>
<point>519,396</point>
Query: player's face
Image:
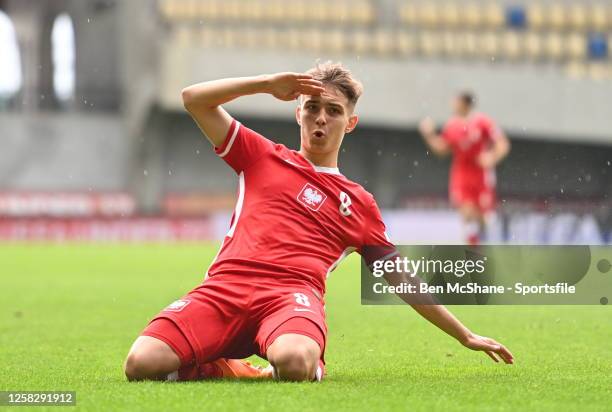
<point>460,108</point>
<point>324,120</point>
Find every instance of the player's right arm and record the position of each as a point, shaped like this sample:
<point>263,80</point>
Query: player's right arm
<point>434,141</point>
<point>203,100</point>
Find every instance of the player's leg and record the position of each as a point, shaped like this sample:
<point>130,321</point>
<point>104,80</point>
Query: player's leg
<point>294,357</point>
<point>151,359</point>
<point>473,222</point>
<point>292,335</point>
<point>190,339</point>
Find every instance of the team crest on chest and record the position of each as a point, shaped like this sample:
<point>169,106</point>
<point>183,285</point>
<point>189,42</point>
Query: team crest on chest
<point>311,197</point>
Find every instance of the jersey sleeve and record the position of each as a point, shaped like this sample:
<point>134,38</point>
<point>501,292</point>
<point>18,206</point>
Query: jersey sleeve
<point>243,147</point>
<point>376,243</point>
<point>445,132</point>
<point>489,127</point>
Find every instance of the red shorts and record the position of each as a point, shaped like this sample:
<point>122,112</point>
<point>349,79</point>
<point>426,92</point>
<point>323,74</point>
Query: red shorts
<point>477,190</point>
<point>236,317</point>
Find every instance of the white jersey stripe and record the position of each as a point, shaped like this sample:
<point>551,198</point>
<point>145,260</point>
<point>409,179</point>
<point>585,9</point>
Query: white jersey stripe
<point>231,141</point>
<point>239,203</point>
<point>344,254</point>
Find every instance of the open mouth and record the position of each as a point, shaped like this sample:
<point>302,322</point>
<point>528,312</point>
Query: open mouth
<point>319,134</point>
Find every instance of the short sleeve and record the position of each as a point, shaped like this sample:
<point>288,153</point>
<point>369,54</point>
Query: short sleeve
<point>243,147</point>
<point>376,243</point>
<point>445,132</point>
<point>489,127</point>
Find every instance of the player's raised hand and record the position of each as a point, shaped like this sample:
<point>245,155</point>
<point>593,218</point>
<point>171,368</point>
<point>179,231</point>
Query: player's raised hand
<point>427,126</point>
<point>289,86</point>
<point>491,347</point>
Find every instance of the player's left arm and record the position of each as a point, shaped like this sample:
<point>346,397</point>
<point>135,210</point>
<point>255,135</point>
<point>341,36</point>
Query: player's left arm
<point>378,246</point>
<point>437,314</point>
<point>499,148</point>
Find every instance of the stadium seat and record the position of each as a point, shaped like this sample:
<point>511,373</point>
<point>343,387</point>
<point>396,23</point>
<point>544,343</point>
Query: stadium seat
<point>535,16</point>
<point>297,11</point>
<point>383,43</point>
<point>576,70</point>
<point>600,17</point>
<point>471,44</point>
<point>511,45</point>
<point>494,17</point>
<point>361,12</point>
<point>598,71</point>
<point>429,15</point>
<point>430,43</point>
<point>553,46</point>
<point>576,46</point>
<point>408,13</point>
<point>292,39</point>
<point>489,46</point>
<point>451,44</point>
<point>252,39</point>
<point>210,10</point>
<point>534,45</point>
<point>361,41</point>
<point>516,17</point>
<point>472,15</point>
<point>316,11</point>
<point>406,43</point>
<point>578,16</point>
<point>334,41</point>
<point>449,15</point>
<point>183,36</point>
<point>167,9</point>
<point>274,11</point>
<point>597,46</point>
<point>339,11</point>
<point>557,16</point>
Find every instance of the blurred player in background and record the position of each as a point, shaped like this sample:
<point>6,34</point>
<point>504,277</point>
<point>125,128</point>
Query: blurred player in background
<point>477,146</point>
<point>296,218</point>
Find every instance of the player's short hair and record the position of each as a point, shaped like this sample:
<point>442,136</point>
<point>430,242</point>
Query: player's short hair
<point>340,77</point>
<point>468,98</point>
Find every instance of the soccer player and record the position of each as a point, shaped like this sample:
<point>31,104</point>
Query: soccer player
<point>296,218</point>
<point>477,146</point>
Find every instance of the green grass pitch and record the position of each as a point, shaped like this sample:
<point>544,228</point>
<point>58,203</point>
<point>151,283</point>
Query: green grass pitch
<point>69,313</point>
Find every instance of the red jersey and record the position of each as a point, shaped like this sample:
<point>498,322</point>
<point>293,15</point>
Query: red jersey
<point>468,138</point>
<point>293,221</point>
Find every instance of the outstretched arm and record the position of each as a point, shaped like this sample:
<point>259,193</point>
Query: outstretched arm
<point>434,141</point>
<point>437,314</point>
<point>203,100</point>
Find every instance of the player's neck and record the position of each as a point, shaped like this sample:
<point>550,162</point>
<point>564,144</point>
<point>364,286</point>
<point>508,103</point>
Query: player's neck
<point>321,160</point>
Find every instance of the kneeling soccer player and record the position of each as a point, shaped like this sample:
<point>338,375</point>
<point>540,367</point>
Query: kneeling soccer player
<point>296,218</point>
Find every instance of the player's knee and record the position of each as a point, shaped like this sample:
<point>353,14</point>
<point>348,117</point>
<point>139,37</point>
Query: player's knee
<point>296,363</point>
<point>145,364</point>
<point>138,365</point>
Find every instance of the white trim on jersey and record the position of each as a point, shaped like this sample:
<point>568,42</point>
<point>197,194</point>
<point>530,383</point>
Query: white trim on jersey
<point>214,259</point>
<point>239,203</point>
<point>330,170</point>
<point>231,141</point>
<point>322,169</point>
<point>344,254</point>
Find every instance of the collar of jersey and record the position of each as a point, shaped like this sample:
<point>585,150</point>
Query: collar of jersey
<point>320,169</point>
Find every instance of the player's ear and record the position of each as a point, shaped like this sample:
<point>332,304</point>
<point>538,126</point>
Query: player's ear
<point>352,123</point>
<point>298,113</point>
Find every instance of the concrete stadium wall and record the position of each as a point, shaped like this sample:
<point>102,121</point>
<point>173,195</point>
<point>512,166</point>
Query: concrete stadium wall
<point>63,152</point>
